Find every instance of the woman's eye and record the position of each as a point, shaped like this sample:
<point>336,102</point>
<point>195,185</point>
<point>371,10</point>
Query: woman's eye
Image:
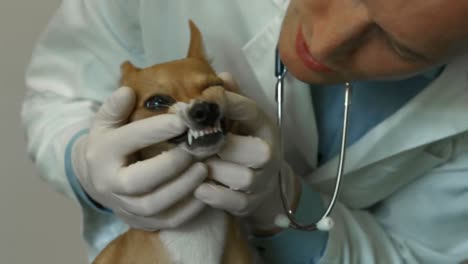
<point>159,102</point>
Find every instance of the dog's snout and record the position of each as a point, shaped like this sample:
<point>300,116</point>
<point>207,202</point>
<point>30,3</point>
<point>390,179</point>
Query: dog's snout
<point>204,113</point>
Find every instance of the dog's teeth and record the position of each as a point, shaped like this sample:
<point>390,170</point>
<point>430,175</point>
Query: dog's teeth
<point>202,133</point>
<point>190,138</point>
<point>195,134</point>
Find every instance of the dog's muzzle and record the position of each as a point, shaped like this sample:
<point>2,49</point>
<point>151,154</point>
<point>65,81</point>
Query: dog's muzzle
<point>206,126</point>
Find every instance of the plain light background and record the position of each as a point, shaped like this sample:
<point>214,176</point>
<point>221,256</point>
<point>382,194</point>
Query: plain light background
<point>37,225</point>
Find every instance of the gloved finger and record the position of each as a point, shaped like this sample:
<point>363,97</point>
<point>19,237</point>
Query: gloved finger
<point>144,176</point>
<point>235,176</point>
<point>115,109</point>
<point>238,107</point>
<point>166,195</point>
<point>237,203</point>
<point>248,151</point>
<point>182,212</point>
<point>229,84</point>
<point>171,218</point>
<point>142,133</point>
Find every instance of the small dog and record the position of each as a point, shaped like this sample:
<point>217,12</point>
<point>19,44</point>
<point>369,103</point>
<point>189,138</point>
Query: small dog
<point>190,88</point>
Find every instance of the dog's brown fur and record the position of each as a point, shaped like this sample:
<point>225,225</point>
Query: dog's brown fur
<point>185,80</point>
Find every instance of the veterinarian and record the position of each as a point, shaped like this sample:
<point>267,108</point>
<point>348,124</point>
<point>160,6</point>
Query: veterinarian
<point>405,187</point>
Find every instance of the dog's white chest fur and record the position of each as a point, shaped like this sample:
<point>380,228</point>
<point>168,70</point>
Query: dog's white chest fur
<point>201,241</point>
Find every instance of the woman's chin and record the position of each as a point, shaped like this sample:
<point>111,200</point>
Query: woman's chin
<point>308,76</point>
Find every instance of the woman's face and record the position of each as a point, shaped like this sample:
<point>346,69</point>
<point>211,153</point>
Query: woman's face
<point>330,41</point>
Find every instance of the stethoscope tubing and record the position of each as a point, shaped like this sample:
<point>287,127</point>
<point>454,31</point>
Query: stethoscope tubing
<point>325,222</point>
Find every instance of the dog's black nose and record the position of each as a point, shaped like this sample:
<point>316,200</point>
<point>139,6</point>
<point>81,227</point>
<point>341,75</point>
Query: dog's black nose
<point>204,113</point>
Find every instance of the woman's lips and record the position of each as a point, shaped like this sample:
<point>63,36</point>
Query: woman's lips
<point>303,53</point>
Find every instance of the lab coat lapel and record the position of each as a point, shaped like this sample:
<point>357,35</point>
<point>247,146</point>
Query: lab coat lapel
<point>439,111</point>
<point>299,119</point>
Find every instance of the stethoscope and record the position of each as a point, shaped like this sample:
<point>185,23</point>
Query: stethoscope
<point>325,223</point>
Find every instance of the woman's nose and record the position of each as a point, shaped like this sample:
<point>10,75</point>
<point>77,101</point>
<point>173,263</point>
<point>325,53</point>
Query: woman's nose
<point>337,30</point>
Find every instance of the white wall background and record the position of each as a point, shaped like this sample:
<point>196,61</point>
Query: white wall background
<point>37,225</point>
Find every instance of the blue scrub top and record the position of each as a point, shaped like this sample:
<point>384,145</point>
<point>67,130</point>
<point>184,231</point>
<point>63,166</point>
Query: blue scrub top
<point>371,103</point>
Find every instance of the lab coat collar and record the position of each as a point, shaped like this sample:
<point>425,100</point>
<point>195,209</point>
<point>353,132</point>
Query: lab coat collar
<point>281,4</point>
<point>299,118</point>
<point>437,112</point>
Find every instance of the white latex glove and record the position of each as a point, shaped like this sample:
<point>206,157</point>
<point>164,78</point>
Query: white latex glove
<point>248,167</point>
<point>153,194</point>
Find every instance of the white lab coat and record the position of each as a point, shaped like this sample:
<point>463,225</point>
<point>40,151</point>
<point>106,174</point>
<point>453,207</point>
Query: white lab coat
<point>405,189</point>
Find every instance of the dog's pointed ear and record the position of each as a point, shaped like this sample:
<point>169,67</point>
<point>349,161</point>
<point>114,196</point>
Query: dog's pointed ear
<point>196,48</point>
<point>126,70</point>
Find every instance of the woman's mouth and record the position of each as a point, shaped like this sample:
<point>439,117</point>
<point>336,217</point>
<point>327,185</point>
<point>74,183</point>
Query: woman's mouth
<point>304,54</point>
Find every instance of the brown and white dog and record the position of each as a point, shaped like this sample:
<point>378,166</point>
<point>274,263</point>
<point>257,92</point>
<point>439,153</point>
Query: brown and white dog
<point>191,88</point>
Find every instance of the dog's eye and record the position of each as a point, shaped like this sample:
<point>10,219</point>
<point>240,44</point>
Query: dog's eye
<point>159,102</point>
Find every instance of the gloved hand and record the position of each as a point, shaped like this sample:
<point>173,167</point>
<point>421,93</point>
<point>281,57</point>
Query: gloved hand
<point>248,167</point>
<point>153,194</point>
